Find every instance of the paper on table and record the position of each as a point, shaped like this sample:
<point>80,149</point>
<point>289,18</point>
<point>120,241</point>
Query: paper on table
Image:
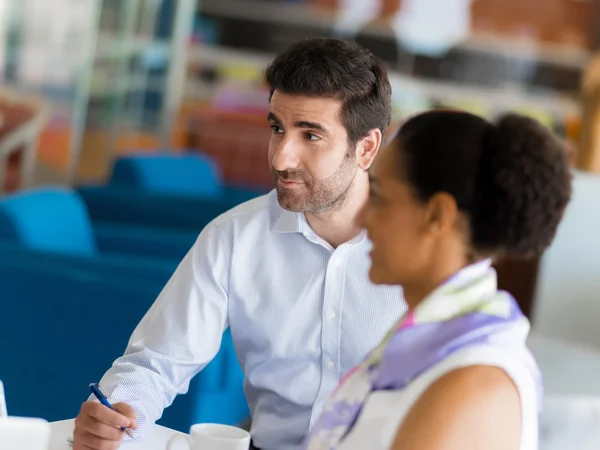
<point>156,440</point>
<point>18,433</point>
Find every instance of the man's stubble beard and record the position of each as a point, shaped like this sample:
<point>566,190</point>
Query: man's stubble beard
<point>321,197</point>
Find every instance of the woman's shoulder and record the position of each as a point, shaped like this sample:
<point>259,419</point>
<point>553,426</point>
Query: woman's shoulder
<point>518,367</point>
<point>491,369</point>
<point>469,384</point>
<point>469,405</point>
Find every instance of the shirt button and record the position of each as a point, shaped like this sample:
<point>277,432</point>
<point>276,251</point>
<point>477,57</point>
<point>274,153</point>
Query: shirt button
<point>330,364</point>
<point>330,314</point>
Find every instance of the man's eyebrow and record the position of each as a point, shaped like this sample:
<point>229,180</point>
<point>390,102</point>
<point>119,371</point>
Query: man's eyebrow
<point>271,117</point>
<point>313,125</point>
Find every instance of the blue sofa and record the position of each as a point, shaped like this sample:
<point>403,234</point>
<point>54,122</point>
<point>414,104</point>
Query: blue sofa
<point>180,174</point>
<point>60,330</point>
<point>175,190</point>
<point>110,204</point>
<point>151,271</point>
<point>72,293</point>
<point>56,220</point>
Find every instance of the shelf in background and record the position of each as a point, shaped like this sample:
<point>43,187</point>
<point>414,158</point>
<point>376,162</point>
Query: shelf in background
<point>483,60</point>
<point>492,99</point>
<point>306,15</point>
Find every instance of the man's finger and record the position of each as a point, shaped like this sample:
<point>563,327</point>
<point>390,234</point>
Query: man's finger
<point>127,411</point>
<point>106,415</point>
<point>86,441</point>
<point>98,429</point>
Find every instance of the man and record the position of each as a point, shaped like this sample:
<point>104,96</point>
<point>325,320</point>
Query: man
<point>287,272</point>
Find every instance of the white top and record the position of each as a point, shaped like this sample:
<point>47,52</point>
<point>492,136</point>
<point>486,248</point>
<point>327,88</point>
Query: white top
<point>384,411</point>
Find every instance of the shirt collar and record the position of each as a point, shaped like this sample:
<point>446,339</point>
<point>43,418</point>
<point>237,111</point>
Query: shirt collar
<point>294,222</point>
<point>287,221</point>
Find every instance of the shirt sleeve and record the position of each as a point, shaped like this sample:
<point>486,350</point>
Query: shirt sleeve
<point>178,336</point>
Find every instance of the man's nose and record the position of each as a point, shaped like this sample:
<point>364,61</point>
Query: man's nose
<point>286,156</point>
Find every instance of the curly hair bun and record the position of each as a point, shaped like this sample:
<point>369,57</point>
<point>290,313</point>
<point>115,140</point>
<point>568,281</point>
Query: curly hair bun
<point>524,187</point>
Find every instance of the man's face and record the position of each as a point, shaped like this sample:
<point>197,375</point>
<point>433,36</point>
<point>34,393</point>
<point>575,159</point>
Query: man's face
<point>311,161</point>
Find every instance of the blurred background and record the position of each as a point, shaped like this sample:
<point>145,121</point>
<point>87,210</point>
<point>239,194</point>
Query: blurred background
<point>141,120</point>
<point>120,76</point>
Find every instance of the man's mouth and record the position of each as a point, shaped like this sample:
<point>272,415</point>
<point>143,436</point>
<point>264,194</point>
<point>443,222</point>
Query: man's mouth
<point>289,184</point>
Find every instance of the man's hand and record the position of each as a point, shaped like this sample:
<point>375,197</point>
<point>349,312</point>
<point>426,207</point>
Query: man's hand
<point>99,428</point>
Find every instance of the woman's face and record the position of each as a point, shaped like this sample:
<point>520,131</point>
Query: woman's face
<point>397,223</point>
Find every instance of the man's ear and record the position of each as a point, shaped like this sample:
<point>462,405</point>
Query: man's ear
<point>367,148</point>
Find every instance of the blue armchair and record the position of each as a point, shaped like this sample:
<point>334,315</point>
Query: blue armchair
<point>179,174</point>
<point>174,190</point>
<point>56,220</point>
<point>60,330</point>
<point>114,204</point>
<point>150,271</point>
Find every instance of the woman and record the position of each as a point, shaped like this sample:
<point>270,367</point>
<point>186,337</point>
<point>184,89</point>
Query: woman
<point>449,193</point>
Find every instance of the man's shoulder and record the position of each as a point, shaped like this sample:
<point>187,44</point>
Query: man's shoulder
<point>259,209</point>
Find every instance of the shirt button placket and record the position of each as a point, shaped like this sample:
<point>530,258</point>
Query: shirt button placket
<point>330,323</point>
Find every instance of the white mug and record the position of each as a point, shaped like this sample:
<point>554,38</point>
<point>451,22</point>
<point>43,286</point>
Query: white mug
<point>212,436</point>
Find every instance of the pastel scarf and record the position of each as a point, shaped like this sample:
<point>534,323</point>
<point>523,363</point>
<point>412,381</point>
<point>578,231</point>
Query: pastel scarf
<point>466,310</point>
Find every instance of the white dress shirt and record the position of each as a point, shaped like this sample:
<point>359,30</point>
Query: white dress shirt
<point>301,314</point>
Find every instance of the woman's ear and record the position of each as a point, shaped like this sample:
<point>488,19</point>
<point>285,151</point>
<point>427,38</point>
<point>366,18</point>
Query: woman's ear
<point>442,213</point>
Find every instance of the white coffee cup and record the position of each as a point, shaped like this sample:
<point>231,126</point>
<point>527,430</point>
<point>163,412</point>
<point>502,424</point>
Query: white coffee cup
<point>212,436</point>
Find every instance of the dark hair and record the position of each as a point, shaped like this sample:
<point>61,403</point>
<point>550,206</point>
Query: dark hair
<point>511,178</point>
<point>326,67</point>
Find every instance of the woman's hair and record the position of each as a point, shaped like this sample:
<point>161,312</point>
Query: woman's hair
<point>510,178</point>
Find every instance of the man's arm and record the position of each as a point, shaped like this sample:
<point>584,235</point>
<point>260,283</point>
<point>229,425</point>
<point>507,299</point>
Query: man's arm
<point>178,336</point>
<point>473,408</point>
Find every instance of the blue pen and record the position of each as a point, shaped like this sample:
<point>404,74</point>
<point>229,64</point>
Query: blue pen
<point>100,396</point>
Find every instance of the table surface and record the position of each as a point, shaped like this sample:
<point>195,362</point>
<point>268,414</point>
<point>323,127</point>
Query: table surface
<point>570,377</point>
<point>156,439</point>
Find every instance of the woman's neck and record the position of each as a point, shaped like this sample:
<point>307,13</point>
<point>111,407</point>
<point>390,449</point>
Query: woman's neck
<point>437,274</point>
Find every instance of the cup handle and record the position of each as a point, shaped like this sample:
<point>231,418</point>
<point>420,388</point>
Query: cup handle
<point>176,437</point>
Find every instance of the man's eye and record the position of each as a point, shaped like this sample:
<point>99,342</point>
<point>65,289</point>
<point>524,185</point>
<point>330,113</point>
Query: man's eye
<point>312,137</point>
<point>276,129</point>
